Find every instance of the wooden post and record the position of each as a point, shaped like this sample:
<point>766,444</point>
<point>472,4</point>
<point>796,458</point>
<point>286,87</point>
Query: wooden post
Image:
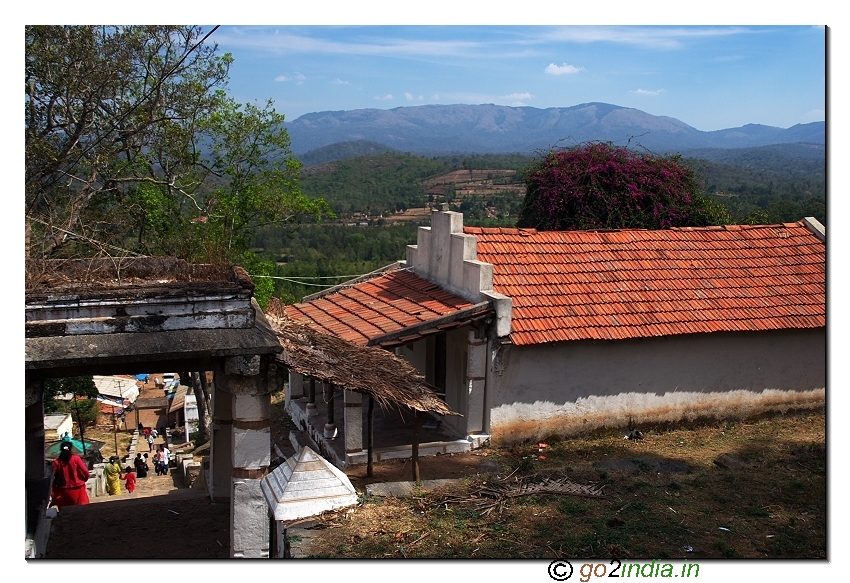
<point>369,436</point>
<point>80,424</point>
<point>417,421</point>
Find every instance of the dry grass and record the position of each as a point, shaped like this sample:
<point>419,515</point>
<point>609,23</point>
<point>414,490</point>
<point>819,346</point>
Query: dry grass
<point>774,507</point>
<point>108,437</point>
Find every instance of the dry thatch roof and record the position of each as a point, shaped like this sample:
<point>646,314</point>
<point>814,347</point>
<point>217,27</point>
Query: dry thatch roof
<point>114,272</point>
<point>388,379</point>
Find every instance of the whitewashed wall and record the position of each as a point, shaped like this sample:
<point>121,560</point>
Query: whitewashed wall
<point>572,387</point>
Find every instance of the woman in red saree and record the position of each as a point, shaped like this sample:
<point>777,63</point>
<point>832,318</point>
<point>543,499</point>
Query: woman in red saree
<point>70,475</point>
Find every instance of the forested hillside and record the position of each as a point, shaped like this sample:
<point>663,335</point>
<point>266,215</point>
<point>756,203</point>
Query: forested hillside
<point>769,184</point>
<point>389,183</point>
<point>758,185</point>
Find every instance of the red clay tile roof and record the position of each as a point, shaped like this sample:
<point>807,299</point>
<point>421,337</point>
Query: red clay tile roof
<point>389,303</point>
<point>578,285</point>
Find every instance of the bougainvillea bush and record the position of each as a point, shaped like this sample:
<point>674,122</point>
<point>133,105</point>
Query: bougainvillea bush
<point>601,186</point>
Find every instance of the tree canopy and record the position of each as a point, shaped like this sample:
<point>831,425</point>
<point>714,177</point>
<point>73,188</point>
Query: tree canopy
<point>133,146</point>
<point>601,186</point>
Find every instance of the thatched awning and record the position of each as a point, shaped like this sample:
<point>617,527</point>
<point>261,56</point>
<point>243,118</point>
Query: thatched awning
<point>388,379</point>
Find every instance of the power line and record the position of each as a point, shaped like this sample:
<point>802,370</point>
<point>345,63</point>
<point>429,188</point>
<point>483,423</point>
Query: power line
<point>316,276</point>
<point>301,282</point>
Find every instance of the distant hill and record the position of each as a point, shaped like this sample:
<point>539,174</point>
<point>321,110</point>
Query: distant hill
<point>774,156</point>
<point>444,129</point>
<point>344,151</point>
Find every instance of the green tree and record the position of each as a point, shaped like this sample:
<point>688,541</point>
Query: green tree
<point>83,407</point>
<point>133,145</point>
<point>107,109</point>
<point>600,186</point>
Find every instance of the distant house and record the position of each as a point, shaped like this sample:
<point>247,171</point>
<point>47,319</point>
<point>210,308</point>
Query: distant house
<point>530,334</point>
<point>56,425</point>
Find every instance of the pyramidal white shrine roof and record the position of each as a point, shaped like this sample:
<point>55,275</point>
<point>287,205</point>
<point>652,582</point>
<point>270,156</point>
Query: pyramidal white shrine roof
<point>306,485</point>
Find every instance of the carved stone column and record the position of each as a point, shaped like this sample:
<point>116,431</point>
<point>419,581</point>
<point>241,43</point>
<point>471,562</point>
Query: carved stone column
<point>250,381</point>
<point>353,421</point>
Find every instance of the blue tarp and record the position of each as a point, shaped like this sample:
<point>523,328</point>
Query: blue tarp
<point>142,377</point>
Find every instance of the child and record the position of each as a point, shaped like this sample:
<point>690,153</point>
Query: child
<point>130,479</point>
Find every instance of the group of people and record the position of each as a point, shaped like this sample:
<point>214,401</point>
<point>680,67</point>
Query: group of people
<point>161,460</point>
<point>112,470</point>
<point>70,474</point>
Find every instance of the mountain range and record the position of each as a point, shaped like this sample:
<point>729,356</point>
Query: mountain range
<point>444,129</point>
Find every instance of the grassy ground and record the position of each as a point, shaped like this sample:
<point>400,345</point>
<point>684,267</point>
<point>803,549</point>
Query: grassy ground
<point>108,437</point>
<point>772,506</point>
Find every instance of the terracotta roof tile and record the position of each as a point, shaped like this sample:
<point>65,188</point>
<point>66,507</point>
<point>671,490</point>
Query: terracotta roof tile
<point>571,285</point>
<point>385,304</point>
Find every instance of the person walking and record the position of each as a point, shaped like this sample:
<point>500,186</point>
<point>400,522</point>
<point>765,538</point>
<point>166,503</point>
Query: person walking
<point>70,475</point>
<point>130,479</point>
<point>149,438</point>
<point>157,463</point>
<point>112,471</point>
<point>141,466</point>
<point>166,459</point>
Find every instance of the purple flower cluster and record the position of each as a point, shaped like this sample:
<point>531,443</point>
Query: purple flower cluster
<point>600,186</point>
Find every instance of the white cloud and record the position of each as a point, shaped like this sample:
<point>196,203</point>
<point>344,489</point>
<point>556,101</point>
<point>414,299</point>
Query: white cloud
<point>387,97</point>
<point>411,97</point>
<point>647,91</point>
<point>564,69</point>
<point>339,81</point>
<point>298,78</point>
<point>267,38</point>
<point>659,37</point>
<point>516,99</point>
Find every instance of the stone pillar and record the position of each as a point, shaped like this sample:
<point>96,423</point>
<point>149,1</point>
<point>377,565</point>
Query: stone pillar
<point>296,387</point>
<point>311,409</point>
<point>34,427</point>
<point>36,481</point>
<point>250,381</point>
<point>221,455</point>
<point>353,421</point>
<point>328,395</point>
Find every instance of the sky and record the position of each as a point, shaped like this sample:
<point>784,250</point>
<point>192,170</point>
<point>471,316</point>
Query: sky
<point>710,77</point>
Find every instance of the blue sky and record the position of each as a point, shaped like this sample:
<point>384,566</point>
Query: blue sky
<point>710,77</point>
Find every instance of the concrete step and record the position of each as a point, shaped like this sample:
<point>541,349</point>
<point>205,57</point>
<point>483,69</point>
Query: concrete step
<point>152,485</point>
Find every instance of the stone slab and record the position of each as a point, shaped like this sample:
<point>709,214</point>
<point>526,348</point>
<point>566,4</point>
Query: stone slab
<point>405,488</point>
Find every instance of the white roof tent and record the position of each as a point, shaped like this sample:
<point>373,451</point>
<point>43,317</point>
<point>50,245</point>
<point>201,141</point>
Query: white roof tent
<point>117,388</point>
